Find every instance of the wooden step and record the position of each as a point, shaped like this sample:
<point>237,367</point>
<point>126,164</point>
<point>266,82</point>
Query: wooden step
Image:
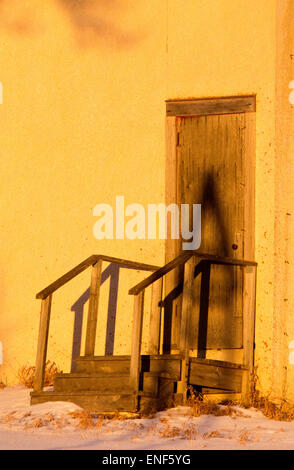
<point>77,382</point>
<point>217,363</point>
<point>150,383</point>
<point>167,363</point>
<point>103,364</point>
<point>91,401</point>
<point>210,373</point>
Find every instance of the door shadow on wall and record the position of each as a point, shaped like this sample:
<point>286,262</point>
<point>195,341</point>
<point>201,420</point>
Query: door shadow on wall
<point>212,212</point>
<point>112,273</point>
<point>220,283</point>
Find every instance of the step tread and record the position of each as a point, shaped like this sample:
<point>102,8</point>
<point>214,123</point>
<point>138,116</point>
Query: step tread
<point>91,393</point>
<point>128,358</point>
<point>164,375</point>
<point>217,363</point>
<point>103,358</point>
<point>91,375</point>
<point>79,393</point>
<point>103,375</point>
<point>165,356</point>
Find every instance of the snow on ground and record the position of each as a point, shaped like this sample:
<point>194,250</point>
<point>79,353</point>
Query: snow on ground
<point>62,425</point>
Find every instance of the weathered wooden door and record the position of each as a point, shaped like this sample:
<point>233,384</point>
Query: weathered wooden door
<point>210,162</point>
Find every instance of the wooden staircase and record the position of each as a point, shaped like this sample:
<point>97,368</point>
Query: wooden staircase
<point>102,383</point>
<point>98,384</point>
<point>140,382</point>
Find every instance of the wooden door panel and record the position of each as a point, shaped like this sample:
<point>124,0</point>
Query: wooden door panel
<point>211,171</point>
<point>216,319</point>
<point>210,164</point>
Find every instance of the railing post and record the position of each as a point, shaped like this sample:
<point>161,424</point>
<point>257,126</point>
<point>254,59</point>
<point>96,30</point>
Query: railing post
<point>187,304</point>
<point>155,317</point>
<point>136,341</point>
<point>93,308</point>
<point>42,343</point>
<point>187,307</point>
<point>249,299</point>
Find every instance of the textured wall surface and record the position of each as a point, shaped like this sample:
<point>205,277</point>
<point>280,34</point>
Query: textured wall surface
<point>283,319</point>
<point>83,121</point>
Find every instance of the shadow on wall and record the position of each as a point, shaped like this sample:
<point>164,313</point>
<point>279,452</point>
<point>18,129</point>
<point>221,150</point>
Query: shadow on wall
<point>16,18</point>
<point>112,272</point>
<point>94,22</point>
<point>212,209</point>
<point>219,289</point>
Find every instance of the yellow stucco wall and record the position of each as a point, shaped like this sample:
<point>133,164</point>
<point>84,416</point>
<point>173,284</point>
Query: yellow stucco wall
<point>83,120</point>
<point>283,318</point>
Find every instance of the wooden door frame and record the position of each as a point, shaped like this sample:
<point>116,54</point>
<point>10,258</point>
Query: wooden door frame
<point>208,106</point>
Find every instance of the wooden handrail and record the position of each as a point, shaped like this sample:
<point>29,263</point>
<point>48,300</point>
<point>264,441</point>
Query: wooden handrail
<point>181,259</point>
<point>215,259</point>
<point>84,265</point>
<point>46,295</point>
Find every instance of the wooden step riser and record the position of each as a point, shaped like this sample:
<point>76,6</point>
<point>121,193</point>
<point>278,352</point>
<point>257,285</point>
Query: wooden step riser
<point>217,377</point>
<point>170,366</point>
<point>100,384</point>
<point>96,403</point>
<point>103,384</point>
<point>103,367</point>
<point>150,384</point>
